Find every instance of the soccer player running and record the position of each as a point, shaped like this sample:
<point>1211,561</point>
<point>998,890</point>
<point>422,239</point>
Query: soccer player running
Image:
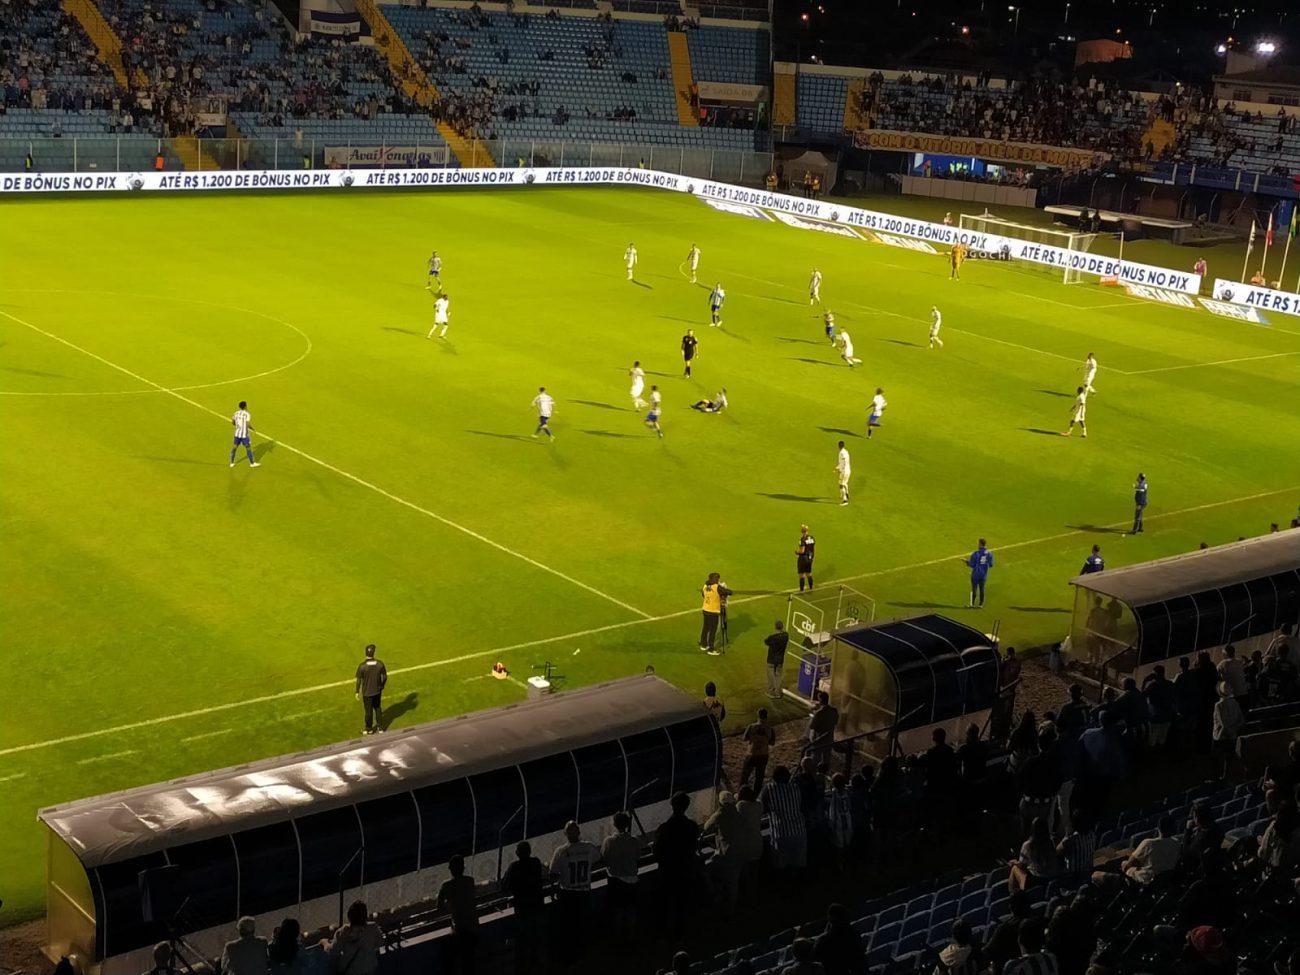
<point>693,261</point>
<point>1089,373</point>
<point>936,320</point>
<point>435,272</point>
<point>716,297</point>
<point>979,563</point>
<point>638,385</point>
<point>846,349</point>
<point>844,471</point>
<point>242,423</point>
<point>545,407</point>
<point>629,258</point>
<point>689,343</point>
<point>804,553</point>
<point>1078,413</point>
<point>1139,501</point>
<point>656,404</point>
<point>878,404</point>
<point>441,315</point>
<point>828,322</point>
<point>815,288</point>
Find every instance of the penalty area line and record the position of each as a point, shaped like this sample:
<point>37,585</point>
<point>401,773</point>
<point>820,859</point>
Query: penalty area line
<point>577,634</point>
<point>346,475</point>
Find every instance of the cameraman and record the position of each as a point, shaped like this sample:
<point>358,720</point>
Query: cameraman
<point>715,594</point>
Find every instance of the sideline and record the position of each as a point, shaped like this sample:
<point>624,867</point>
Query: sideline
<point>577,634</point>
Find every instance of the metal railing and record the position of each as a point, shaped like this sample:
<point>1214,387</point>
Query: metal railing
<point>138,153</point>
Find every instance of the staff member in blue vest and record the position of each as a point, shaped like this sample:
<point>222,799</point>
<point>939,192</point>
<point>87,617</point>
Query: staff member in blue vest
<point>1093,563</point>
<point>1139,501</point>
<point>979,563</point>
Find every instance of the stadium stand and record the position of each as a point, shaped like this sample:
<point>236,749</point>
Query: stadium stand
<point>557,77</point>
<point>1226,137</point>
<point>59,96</point>
<point>1037,109</point>
<point>820,100</point>
<point>729,55</point>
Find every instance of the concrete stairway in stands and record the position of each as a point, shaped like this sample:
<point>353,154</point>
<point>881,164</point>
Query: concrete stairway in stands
<point>679,56</point>
<point>783,97</point>
<point>189,151</point>
<point>107,44</point>
<point>416,84</point>
<point>854,118</point>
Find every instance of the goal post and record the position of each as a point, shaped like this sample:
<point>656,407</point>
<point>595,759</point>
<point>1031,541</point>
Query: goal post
<point>988,223</point>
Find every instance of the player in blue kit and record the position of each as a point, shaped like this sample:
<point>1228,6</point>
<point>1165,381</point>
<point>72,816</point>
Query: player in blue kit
<point>716,297</point>
<point>828,320</point>
<point>435,272</point>
<point>242,423</point>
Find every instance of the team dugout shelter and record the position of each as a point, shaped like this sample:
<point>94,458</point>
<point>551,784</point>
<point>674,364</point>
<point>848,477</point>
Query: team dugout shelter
<point>376,819</point>
<point>895,682</point>
<point>1127,620</point>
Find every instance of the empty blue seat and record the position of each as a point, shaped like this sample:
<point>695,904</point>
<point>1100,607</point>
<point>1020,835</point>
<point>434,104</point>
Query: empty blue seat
<point>917,923</point>
<point>886,936</point>
<point>919,905</point>
<point>943,913</point>
<point>892,914</point>
<point>973,901</point>
<point>950,893</point>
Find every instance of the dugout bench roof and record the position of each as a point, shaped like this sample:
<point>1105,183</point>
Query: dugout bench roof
<point>123,825</point>
<point>1217,568</point>
<point>1203,599</point>
<point>943,669</point>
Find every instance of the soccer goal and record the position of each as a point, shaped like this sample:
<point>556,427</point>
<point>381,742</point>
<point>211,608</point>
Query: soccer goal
<point>987,223</point>
<point>812,618</point>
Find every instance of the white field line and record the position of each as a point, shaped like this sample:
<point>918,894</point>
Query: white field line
<point>1220,362</point>
<point>592,631</point>
<point>346,475</point>
<point>106,758</point>
<point>13,778</point>
<point>207,734</point>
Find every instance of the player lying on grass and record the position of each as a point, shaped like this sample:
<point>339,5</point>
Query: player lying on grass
<point>715,405</point>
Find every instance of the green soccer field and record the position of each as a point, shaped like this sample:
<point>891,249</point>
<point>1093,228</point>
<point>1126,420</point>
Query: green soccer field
<point>164,614</point>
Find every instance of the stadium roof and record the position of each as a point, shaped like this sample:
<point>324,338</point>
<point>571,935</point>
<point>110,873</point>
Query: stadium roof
<point>1202,571</point>
<point>115,827</point>
<point>1282,74</point>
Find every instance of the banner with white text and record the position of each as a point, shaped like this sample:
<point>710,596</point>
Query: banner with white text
<point>1253,296</point>
<point>821,215</point>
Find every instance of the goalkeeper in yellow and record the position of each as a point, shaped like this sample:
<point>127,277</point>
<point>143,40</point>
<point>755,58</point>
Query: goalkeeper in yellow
<point>956,257</point>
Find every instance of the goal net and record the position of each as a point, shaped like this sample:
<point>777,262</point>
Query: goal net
<point>987,223</point>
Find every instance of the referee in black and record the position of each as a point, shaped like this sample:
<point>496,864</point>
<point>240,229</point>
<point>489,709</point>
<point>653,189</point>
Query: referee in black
<point>804,555</point>
<point>689,342</point>
<point>372,675</point>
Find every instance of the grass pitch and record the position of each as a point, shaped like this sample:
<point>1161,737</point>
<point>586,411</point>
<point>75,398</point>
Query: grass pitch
<point>164,614</point>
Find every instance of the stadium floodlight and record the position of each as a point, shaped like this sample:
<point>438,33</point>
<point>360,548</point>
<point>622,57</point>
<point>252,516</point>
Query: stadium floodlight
<point>1221,49</point>
<point>1266,47</point>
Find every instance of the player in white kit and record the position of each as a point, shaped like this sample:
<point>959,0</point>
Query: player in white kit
<point>629,258</point>
<point>846,349</point>
<point>638,385</point>
<point>693,261</point>
<point>843,470</point>
<point>1078,413</point>
<point>815,288</point>
<point>936,320</point>
<point>1089,373</point>
<point>441,316</point>
<point>878,404</point>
